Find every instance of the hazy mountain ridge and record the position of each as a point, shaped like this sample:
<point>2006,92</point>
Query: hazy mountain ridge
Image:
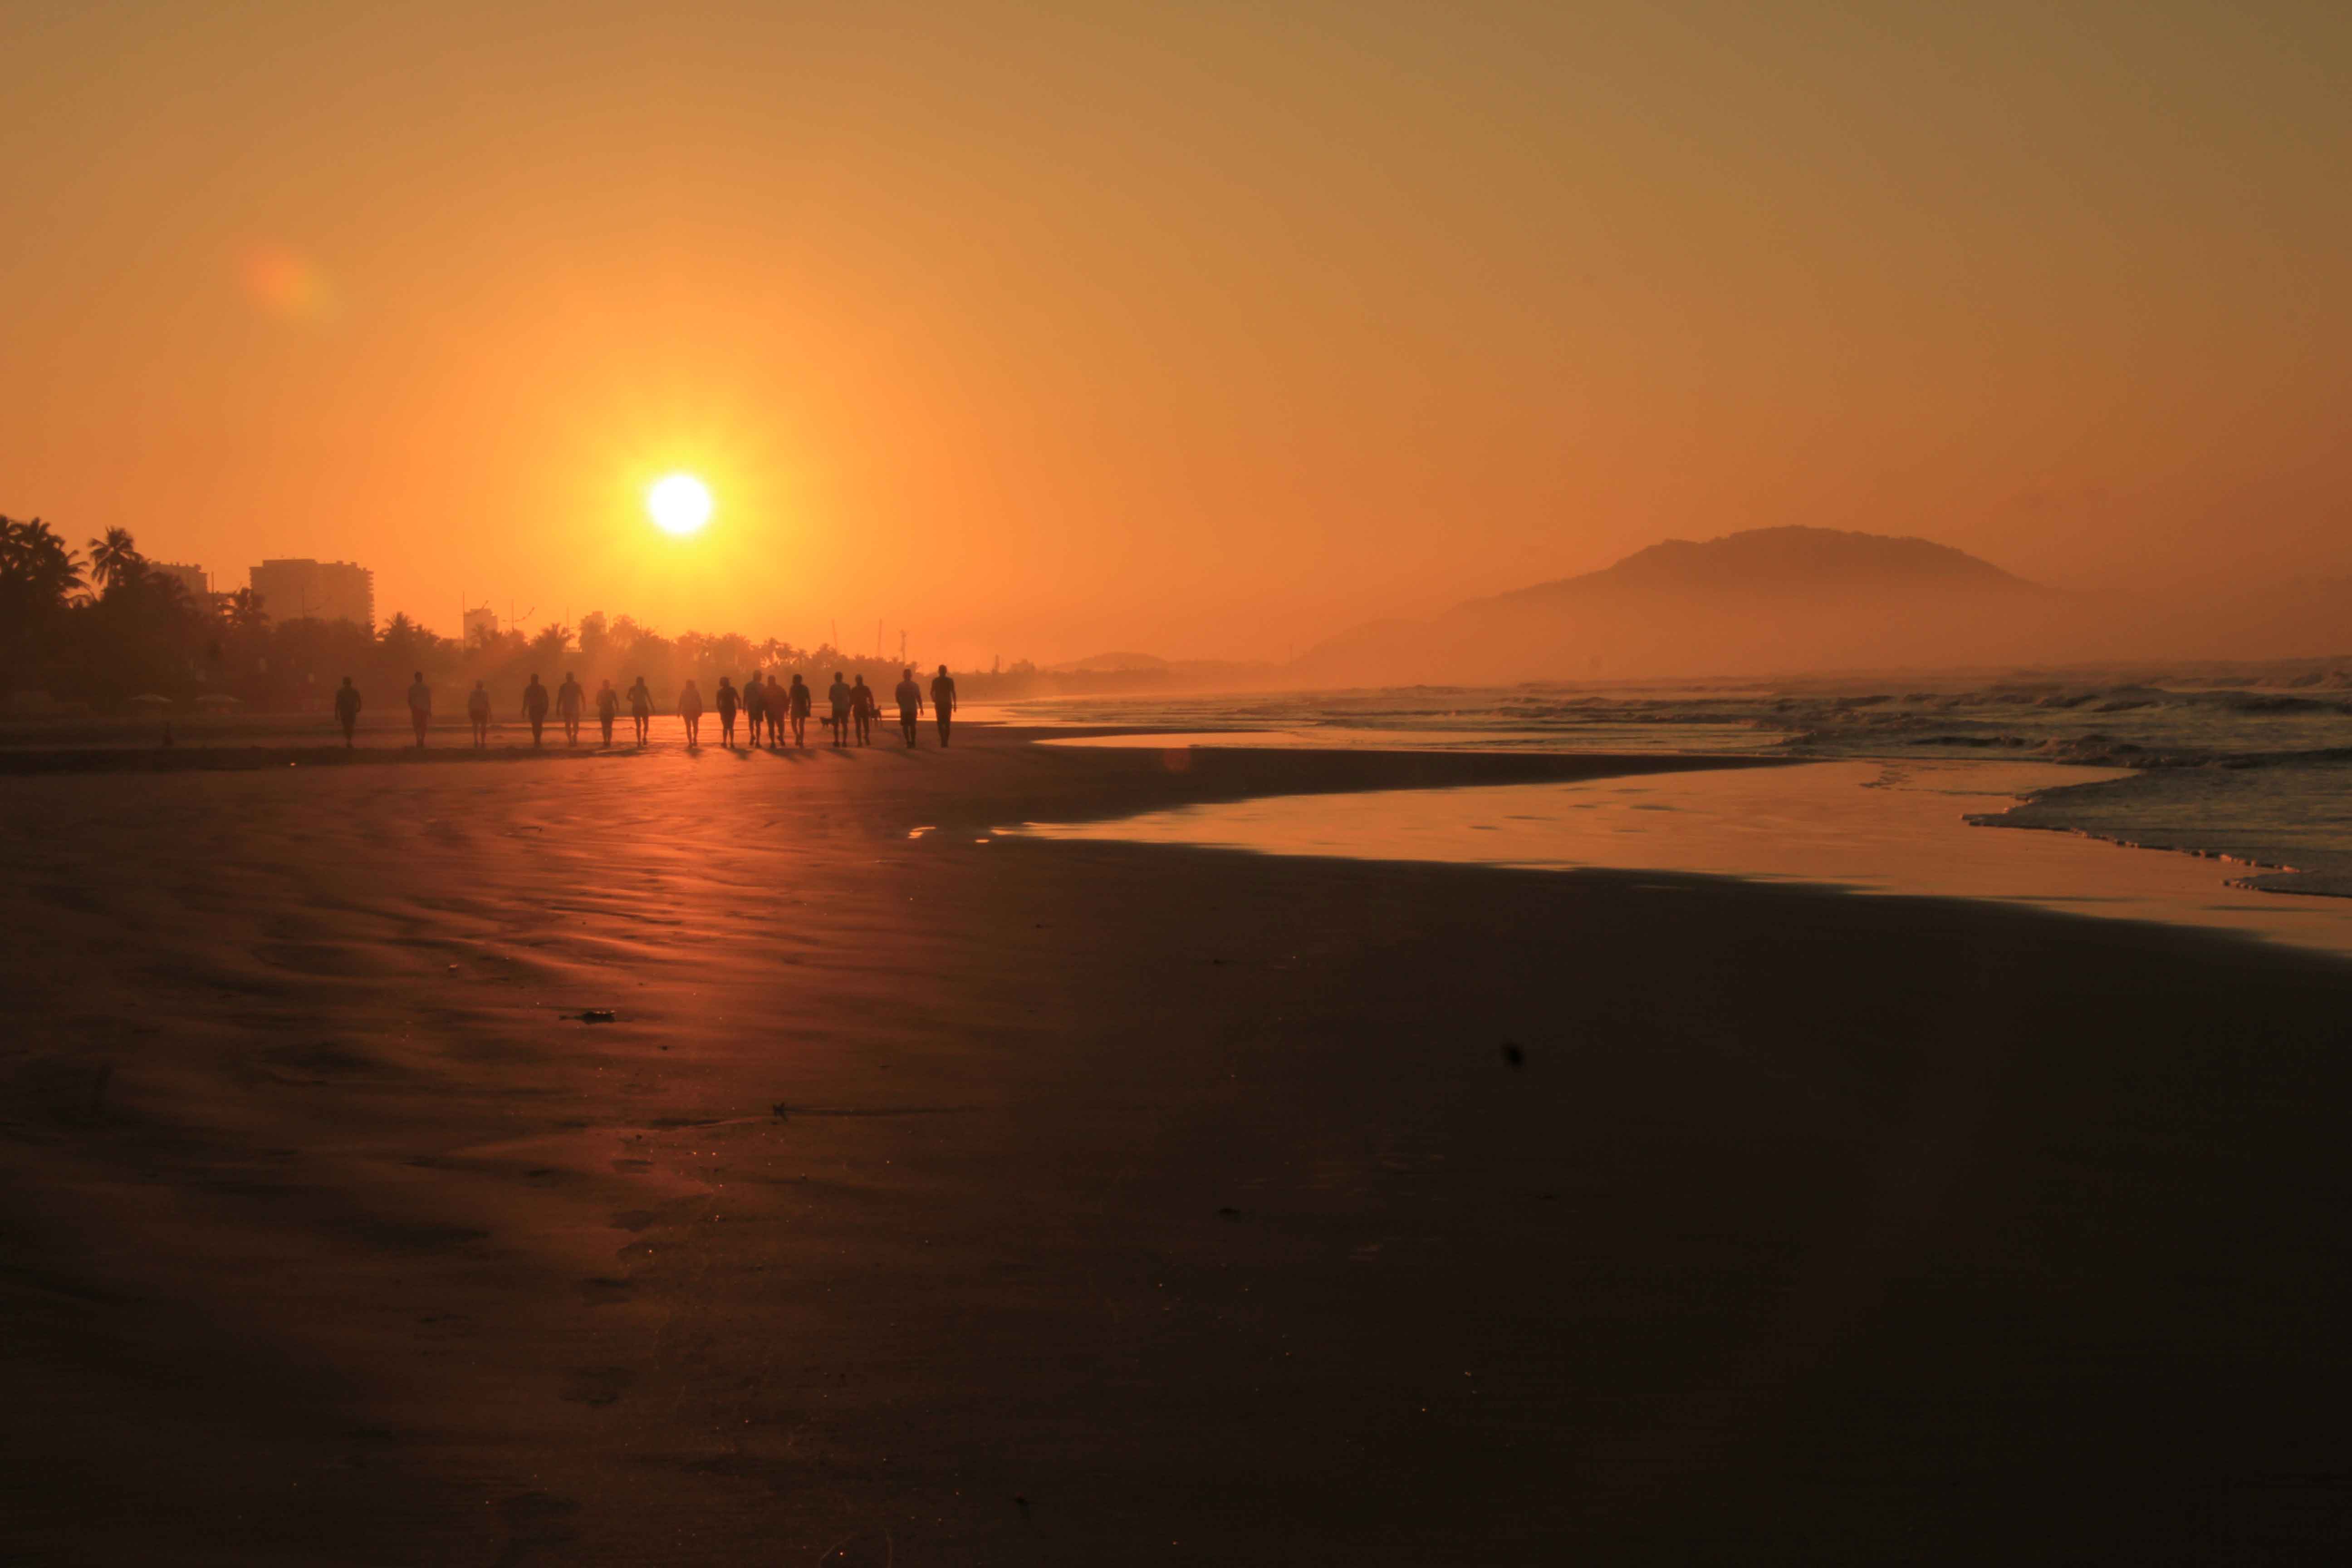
<point>1760,601</point>
<point>1792,559</point>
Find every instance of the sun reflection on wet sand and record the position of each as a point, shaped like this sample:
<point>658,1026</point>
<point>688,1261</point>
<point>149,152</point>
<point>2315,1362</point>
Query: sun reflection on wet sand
<point>1887,828</point>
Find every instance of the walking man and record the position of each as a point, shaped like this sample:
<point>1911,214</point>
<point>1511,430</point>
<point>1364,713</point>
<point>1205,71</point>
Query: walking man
<point>943,701</point>
<point>799,699</point>
<point>911,704</point>
<point>420,707</point>
<point>840,697</point>
<point>724,698</point>
<point>347,710</point>
<point>641,708</point>
<point>477,713</point>
<point>861,708</point>
<point>608,707</point>
<point>534,707</point>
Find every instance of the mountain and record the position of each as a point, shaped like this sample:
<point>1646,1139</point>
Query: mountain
<point>1773,600</point>
<point>1112,663</point>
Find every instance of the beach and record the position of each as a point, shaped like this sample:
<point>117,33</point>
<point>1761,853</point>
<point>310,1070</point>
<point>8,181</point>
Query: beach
<point>935,1195</point>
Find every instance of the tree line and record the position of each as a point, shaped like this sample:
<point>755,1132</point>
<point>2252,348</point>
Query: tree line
<point>102,632</point>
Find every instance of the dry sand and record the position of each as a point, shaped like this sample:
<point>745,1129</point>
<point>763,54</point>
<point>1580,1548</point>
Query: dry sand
<point>937,1201</point>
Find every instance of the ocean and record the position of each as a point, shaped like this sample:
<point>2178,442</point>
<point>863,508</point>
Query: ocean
<point>2248,785</point>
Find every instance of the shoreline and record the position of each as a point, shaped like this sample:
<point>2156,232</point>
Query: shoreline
<point>933,1199</point>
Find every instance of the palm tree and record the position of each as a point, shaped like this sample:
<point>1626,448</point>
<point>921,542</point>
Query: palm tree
<point>551,642</point>
<point>116,560</point>
<point>244,611</point>
<point>41,574</point>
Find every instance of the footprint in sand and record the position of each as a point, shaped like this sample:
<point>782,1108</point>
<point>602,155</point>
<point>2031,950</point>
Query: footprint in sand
<point>598,1385</point>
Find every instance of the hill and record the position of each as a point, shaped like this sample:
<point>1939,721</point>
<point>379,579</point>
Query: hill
<point>1762,602</point>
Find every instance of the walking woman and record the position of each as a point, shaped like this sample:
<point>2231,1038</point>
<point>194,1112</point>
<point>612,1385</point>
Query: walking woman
<point>689,708</point>
<point>608,707</point>
<point>641,708</point>
<point>725,700</point>
<point>570,700</point>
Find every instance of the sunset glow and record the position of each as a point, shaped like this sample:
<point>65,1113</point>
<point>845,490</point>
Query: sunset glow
<point>679,503</point>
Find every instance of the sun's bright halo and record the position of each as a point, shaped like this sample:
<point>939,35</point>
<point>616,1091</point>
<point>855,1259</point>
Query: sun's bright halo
<point>679,503</point>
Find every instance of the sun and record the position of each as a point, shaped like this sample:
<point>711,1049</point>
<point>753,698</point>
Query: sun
<point>679,503</point>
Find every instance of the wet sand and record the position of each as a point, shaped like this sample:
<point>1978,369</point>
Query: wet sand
<point>937,1201</point>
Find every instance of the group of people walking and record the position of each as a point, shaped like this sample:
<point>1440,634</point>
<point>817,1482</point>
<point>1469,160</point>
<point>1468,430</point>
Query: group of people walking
<point>770,705</point>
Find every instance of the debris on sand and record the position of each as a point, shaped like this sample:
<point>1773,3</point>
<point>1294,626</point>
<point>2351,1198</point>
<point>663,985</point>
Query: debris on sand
<point>1514,1055</point>
<point>598,1015</point>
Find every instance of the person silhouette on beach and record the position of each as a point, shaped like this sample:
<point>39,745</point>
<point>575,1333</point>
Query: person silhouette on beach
<point>689,708</point>
<point>800,698</point>
<point>943,701</point>
<point>838,694</point>
<point>862,708</point>
<point>347,710</point>
<point>755,711</point>
<point>477,713</point>
<point>911,704</point>
<point>420,706</point>
<point>725,700</point>
<point>608,707</point>
<point>571,702</point>
<point>641,708</point>
<point>534,707</point>
<point>772,712</point>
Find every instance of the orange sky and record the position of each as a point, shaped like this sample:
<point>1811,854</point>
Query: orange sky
<point>1199,329</point>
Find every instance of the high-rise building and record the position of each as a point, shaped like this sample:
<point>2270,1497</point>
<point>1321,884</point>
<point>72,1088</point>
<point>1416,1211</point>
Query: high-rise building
<point>193,578</point>
<point>316,590</point>
<point>484,621</point>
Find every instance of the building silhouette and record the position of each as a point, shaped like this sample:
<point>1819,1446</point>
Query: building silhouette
<point>316,590</point>
<point>484,620</point>
<point>195,579</point>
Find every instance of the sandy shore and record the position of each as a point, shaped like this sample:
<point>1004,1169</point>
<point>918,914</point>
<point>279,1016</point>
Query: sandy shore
<point>938,1201</point>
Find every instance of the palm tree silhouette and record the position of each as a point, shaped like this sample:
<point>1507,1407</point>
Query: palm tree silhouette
<point>244,611</point>
<point>115,559</point>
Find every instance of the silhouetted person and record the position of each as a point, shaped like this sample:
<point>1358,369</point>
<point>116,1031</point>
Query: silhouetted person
<point>608,707</point>
<point>801,699</point>
<point>347,710</point>
<point>420,706</point>
<point>943,701</point>
<point>534,707</point>
<point>755,713</point>
<point>571,702</point>
<point>725,700</point>
<point>477,713</point>
<point>641,708</point>
<point>911,704</point>
<point>861,708</point>
<point>689,708</point>
<point>838,694</point>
